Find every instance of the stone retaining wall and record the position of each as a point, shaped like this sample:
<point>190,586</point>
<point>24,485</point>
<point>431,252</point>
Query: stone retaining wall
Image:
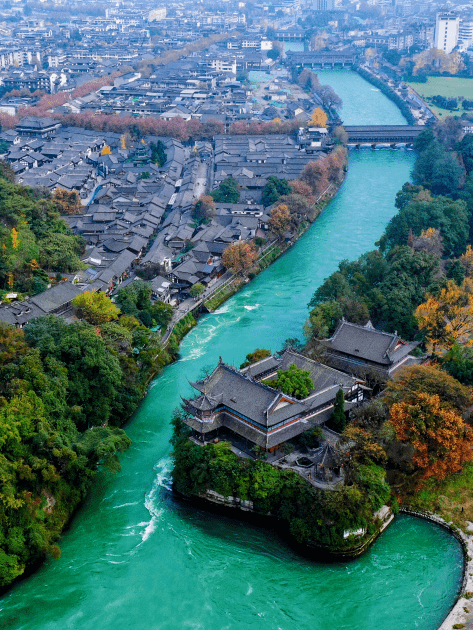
<point>461,613</point>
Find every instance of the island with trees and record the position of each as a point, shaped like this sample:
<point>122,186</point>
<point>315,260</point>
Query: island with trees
<point>399,322</point>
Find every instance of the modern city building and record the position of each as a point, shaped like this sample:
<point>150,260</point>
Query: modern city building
<point>447,28</point>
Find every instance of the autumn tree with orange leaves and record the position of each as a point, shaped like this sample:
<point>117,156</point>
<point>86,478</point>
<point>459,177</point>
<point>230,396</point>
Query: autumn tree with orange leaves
<point>67,202</point>
<point>441,439</point>
<point>447,319</point>
<point>315,175</point>
<point>240,256</point>
<point>303,189</point>
<point>280,219</point>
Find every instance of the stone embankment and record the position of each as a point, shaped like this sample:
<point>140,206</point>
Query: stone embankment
<point>461,614</point>
<point>383,518</point>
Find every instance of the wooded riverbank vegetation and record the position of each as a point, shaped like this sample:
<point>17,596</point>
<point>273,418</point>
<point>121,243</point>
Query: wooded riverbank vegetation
<point>419,282</point>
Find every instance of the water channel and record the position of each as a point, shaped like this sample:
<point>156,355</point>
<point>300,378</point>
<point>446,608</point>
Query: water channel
<point>135,558</point>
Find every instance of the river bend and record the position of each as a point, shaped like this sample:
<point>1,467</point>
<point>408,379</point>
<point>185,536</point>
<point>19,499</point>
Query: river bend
<point>134,558</point>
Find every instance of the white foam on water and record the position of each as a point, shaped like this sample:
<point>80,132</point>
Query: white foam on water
<point>195,353</point>
<point>151,527</point>
<point>251,308</point>
<point>223,309</point>
<point>374,90</point>
<point>164,468</point>
<point>152,499</point>
<point>250,589</point>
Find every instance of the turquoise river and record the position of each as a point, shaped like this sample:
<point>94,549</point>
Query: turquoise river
<point>134,558</point>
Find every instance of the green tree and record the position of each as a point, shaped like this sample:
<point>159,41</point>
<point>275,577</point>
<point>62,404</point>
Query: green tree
<point>294,381</point>
<point>273,189</point>
<point>458,362</point>
<point>204,209</point>
<point>423,212</point>
<point>135,297</point>
<point>94,375</point>
<point>101,445</point>
<point>145,318</point>
<point>323,320</point>
<point>227,192</point>
<point>465,149</point>
<point>424,140</point>
<point>332,289</point>
<point>95,308</point>
<point>338,419</point>
<point>255,356</point>
<point>438,170</point>
<point>162,313</point>
<point>158,153</point>
<point>197,289</point>
<point>60,252</point>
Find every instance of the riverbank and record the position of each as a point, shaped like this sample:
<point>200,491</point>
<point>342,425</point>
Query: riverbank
<point>461,612</point>
<point>214,298</point>
<point>239,510</point>
<point>449,503</point>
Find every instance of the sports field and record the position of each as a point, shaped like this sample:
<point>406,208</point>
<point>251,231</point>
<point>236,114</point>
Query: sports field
<point>449,87</point>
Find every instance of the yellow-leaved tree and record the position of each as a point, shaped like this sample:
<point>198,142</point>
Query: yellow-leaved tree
<point>106,150</point>
<point>319,118</point>
<point>448,318</point>
<point>95,308</point>
<point>440,437</point>
<point>280,219</point>
<point>466,260</point>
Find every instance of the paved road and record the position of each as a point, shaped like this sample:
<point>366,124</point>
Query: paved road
<point>201,181</point>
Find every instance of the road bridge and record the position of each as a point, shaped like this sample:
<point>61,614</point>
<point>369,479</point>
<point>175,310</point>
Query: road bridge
<point>383,134</point>
<point>321,59</point>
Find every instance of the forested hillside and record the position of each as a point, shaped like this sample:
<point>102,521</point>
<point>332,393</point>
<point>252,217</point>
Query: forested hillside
<point>34,238</point>
<point>419,282</point>
<point>425,250</point>
<point>65,389</point>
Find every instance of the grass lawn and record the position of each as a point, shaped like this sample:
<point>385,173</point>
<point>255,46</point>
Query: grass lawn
<point>449,87</point>
<point>447,498</point>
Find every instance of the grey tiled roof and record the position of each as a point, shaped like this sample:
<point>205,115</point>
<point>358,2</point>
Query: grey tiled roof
<point>365,342</point>
<point>56,297</point>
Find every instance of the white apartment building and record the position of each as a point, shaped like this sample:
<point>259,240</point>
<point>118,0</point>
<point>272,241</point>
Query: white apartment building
<point>447,28</point>
<point>465,35</point>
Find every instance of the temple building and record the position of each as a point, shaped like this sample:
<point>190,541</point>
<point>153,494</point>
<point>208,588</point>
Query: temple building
<point>239,407</point>
<point>362,350</point>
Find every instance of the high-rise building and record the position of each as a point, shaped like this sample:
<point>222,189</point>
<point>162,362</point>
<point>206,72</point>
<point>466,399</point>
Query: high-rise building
<point>324,5</point>
<point>447,27</point>
<point>465,35</point>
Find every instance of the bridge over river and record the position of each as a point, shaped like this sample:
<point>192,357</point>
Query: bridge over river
<point>322,59</point>
<point>383,134</point>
